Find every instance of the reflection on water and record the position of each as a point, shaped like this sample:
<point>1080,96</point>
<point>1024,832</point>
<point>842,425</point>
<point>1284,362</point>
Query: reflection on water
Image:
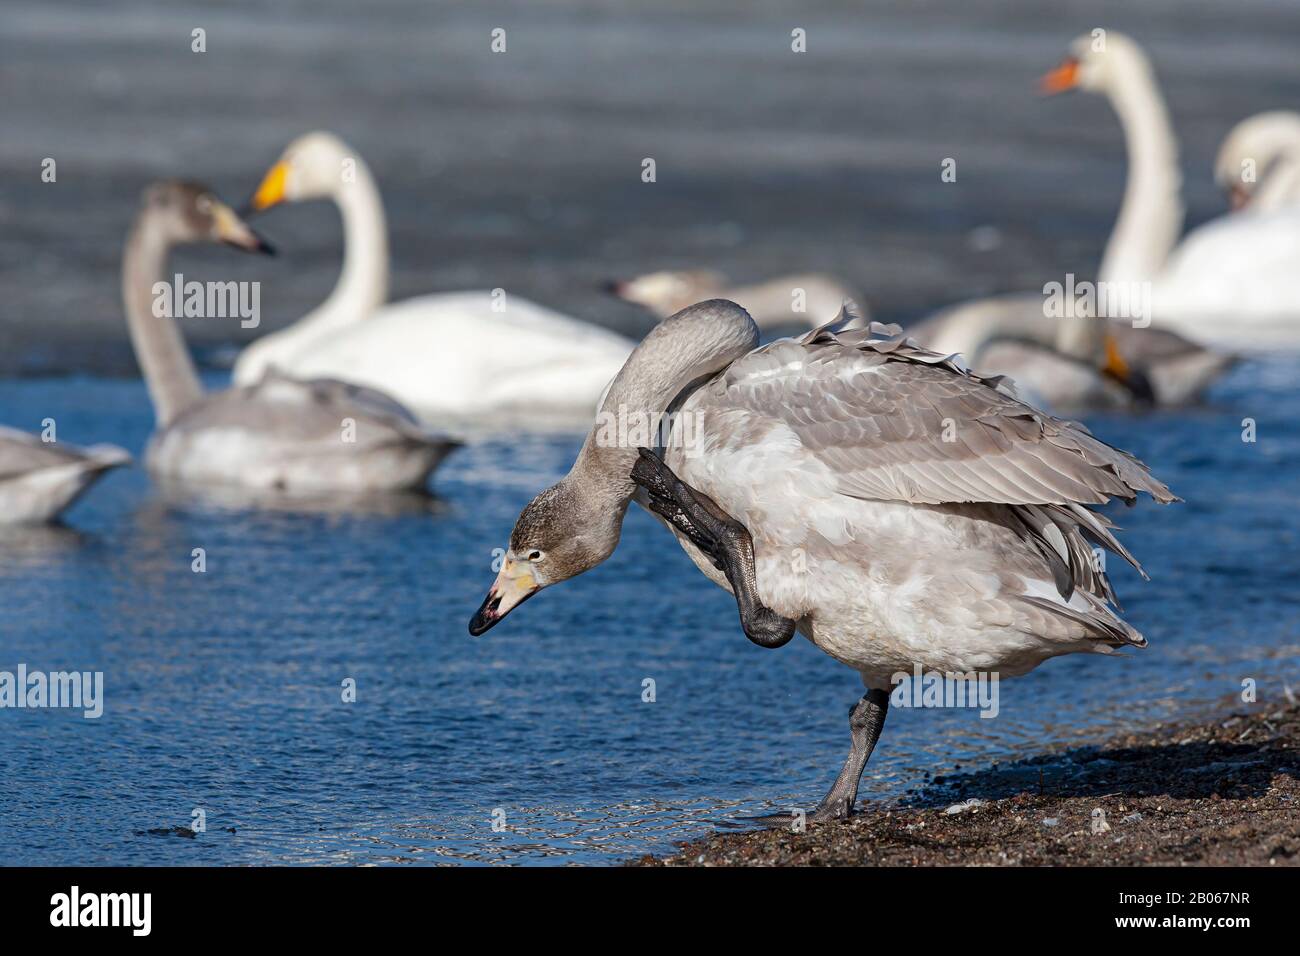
<point>26,547</point>
<point>177,495</point>
<point>224,689</point>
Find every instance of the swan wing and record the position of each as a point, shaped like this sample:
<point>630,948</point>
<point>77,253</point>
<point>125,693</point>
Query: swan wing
<point>868,440</point>
<point>894,421</point>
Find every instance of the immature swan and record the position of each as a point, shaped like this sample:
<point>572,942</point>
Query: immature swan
<point>38,479</point>
<point>279,435</point>
<point>892,507</point>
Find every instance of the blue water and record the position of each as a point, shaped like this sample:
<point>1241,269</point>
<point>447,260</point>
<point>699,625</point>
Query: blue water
<point>223,689</point>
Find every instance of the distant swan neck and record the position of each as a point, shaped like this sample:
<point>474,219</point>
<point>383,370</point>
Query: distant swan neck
<point>362,286</point>
<point>164,360</point>
<point>1151,216</point>
<point>1280,189</point>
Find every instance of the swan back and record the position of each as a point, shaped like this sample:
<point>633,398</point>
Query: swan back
<point>796,299</point>
<point>39,480</point>
<point>295,436</point>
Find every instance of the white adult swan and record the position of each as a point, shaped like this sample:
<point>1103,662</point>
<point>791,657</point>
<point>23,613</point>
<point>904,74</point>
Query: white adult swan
<point>1258,165</point>
<point>470,356</point>
<point>280,435</point>
<point>1234,281</point>
<point>39,480</point>
<point>1080,363</point>
<point>894,508</point>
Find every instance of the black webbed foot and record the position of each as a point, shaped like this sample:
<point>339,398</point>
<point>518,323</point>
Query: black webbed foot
<point>722,539</point>
<point>665,491</point>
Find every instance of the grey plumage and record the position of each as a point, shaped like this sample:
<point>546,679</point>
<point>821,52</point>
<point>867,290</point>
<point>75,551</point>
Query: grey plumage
<point>878,408</point>
<point>39,480</point>
<point>280,434</point>
<point>896,422</point>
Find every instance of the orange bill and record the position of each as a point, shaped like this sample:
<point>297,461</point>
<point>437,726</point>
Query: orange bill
<point>271,191</point>
<point>1064,77</point>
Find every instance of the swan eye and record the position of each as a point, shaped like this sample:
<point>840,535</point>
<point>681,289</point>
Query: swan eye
<point>535,555</point>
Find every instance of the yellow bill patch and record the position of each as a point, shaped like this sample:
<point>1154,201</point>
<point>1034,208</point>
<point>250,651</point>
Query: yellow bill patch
<point>271,191</point>
<point>1115,363</point>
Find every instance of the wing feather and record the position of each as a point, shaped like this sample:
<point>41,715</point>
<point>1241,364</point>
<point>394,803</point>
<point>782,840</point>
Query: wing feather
<point>895,421</point>
<point>891,420</point>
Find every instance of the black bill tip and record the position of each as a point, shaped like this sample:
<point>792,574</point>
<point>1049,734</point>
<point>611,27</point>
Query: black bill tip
<point>485,616</point>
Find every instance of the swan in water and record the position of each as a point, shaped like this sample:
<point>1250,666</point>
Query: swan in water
<point>279,435</point>
<point>1076,363</point>
<point>39,479</point>
<point>480,358</point>
<point>799,299</point>
<point>892,507</point>
<point>1233,281</point>
<point>1082,362</point>
<point>469,356</point>
<point>1258,165</point>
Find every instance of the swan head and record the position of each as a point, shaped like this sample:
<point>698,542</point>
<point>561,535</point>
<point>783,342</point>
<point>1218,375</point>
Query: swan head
<point>313,166</point>
<point>559,535</point>
<point>1098,62</point>
<point>1258,164</point>
<point>667,293</point>
<point>188,212</point>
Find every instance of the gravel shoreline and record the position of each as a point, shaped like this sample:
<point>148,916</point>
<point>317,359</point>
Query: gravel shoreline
<point>1223,792</point>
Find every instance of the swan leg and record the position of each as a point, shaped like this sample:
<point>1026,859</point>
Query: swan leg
<point>725,541</point>
<point>866,720</point>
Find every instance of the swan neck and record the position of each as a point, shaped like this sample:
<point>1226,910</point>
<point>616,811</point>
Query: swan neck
<point>676,357</point>
<point>1082,336</point>
<point>1280,189</point>
<point>1151,214</point>
<point>362,286</point>
<point>165,362</point>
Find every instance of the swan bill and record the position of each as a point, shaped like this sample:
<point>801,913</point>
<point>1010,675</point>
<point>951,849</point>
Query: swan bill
<point>514,585</point>
<point>271,191</point>
<point>233,231</point>
<point>1064,77</point>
